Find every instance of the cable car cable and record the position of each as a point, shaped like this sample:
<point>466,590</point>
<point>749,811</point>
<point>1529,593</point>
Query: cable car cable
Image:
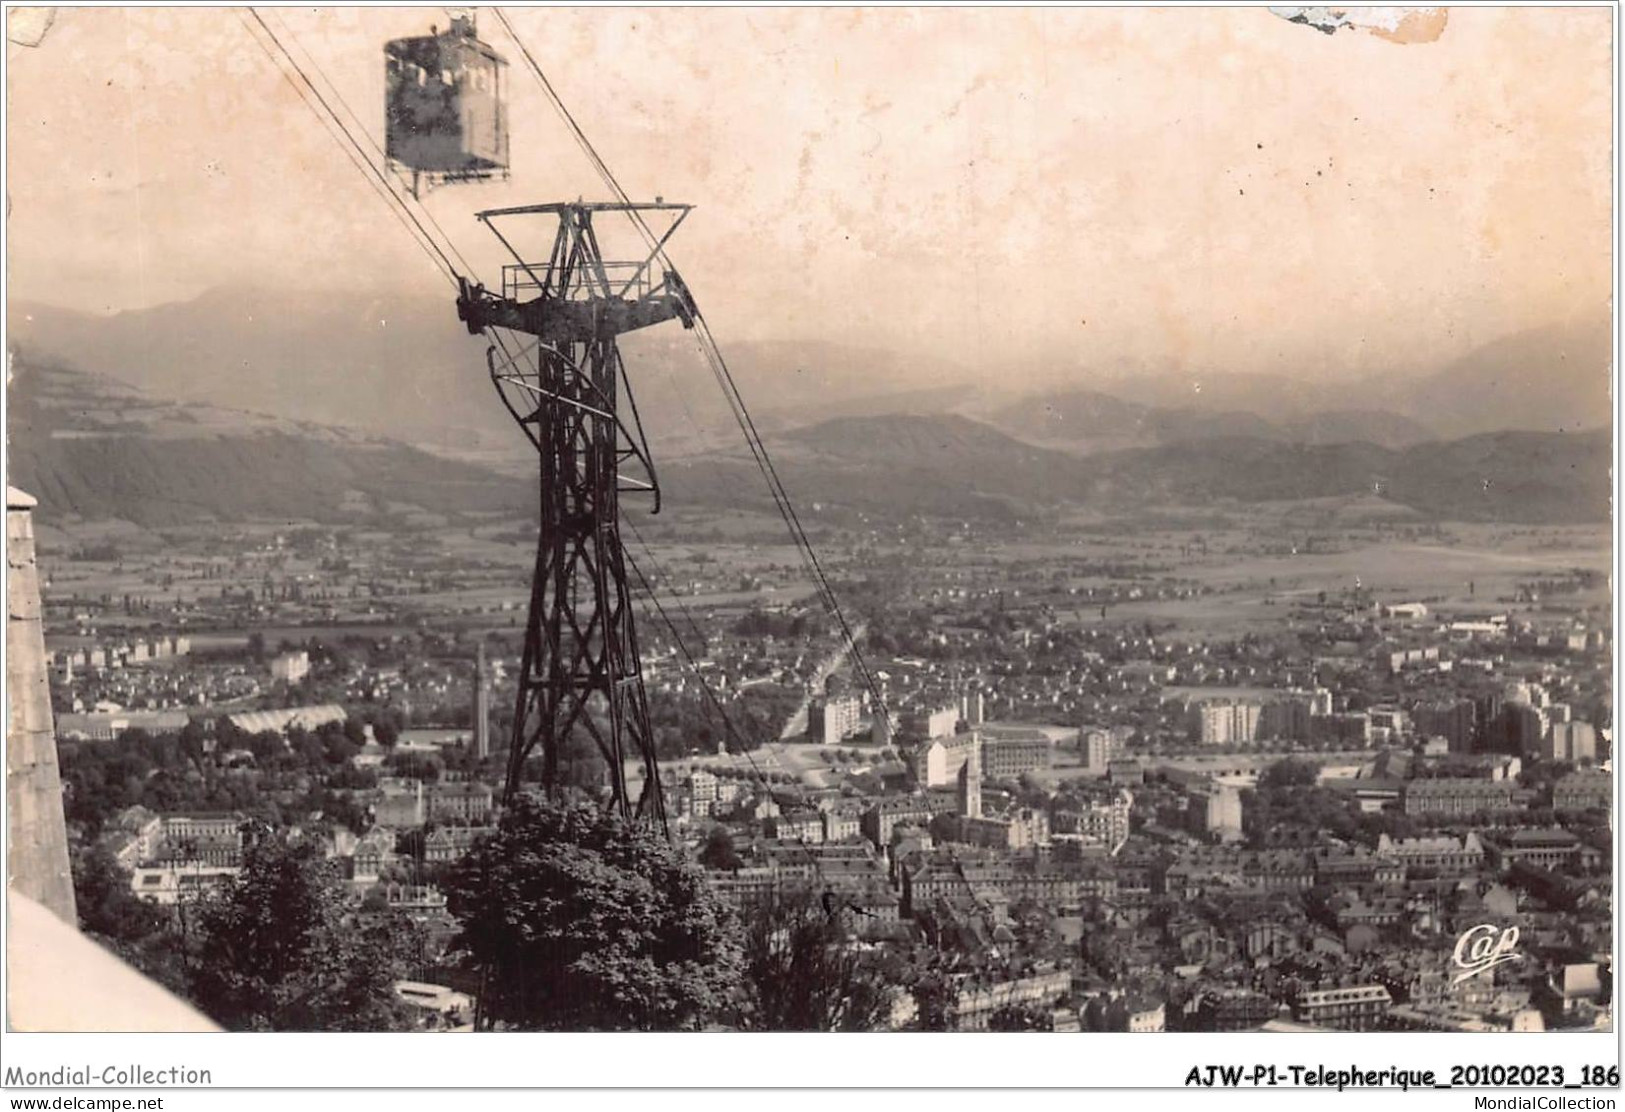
<point>383,156</point>
<point>415,230</point>
<point>393,199</point>
<point>793,520</point>
<point>719,366</point>
<point>705,687</point>
<point>694,668</point>
<point>294,62</point>
<point>714,356</point>
<point>663,580</point>
<point>403,213</point>
<point>427,248</point>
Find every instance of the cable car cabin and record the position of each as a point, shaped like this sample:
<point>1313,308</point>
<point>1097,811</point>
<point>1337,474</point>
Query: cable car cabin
<point>446,106</point>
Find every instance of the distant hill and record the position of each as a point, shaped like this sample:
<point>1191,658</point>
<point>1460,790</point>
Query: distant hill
<point>936,465</point>
<point>1553,379</point>
<point>959,467</point>
<point>1343,426</point>
<point>404,367</point>
<point>1550,379</point>
<point>92,448</point>
<point>397,367</point>
<point>1510,476</point>
<point>1274,398</point>
<point>1092,421</point>
<point>408,369</point>
<point>1242,469</point>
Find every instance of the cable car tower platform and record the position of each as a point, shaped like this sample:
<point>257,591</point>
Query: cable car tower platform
<point>561,377</point>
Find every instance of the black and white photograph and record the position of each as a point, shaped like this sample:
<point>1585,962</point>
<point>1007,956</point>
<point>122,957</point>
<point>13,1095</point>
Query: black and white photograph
<point>590,521</point>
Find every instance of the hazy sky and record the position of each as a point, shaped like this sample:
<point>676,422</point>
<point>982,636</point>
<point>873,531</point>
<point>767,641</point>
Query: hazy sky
<point>1215,189</point>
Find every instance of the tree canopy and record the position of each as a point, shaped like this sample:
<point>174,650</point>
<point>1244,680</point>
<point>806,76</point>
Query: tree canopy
<point>282,948</point>
<point>1288,773</point>
<point>719,851</point>
<point>585,922</point>
<point>139,932</point>
<point>802,975</point>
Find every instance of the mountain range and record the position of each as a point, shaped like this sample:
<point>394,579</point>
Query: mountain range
<point>1090,421</point>
<point>958,467</point>
<point>405,367</point>
<point>1550,379</point>
<point>241,404</point>
<point>93,448</point>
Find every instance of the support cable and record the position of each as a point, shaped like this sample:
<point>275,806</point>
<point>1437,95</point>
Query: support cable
<point>329,116</point>
<point>341,137</point>
<point>328,108</point>
<point>383,156</point>
<point>393,199</point>
<point>711,695</point>
<point>719,367</point>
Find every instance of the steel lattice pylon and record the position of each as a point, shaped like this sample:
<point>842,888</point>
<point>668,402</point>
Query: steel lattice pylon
<point>561,377</point>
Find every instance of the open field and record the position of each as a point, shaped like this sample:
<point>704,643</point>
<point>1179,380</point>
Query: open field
<point>1191,574</point>
<point>1247,578</point>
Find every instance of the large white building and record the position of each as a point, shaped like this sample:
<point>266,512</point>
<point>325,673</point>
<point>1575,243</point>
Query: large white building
<point>178,882</point>
<point>937,762</point>
<point>932,723</point>
<point>1098,748</point>
<point>834,719</point>
<point>1007,756</point>
<point>1225,721</point>
<point>701,798</point>
<point>1575,742</point>
<point>280,721</point>
<point>1219,812</point>
<point>290,667</point>
<point>1021,830</point>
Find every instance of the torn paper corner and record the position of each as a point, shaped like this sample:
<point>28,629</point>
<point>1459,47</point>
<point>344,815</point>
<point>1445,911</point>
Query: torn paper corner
<point>1401,25</point>
<point>27,26</point>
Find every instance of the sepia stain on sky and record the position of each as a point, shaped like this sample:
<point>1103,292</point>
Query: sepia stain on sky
<point>1214,189</point>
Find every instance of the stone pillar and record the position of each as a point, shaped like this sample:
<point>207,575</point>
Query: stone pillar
<point>38,839</point>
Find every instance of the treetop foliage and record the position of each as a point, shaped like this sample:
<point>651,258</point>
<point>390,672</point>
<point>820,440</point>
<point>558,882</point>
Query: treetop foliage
<point>802,975</point>
<point>282,949</point>
<point>585,922</point>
